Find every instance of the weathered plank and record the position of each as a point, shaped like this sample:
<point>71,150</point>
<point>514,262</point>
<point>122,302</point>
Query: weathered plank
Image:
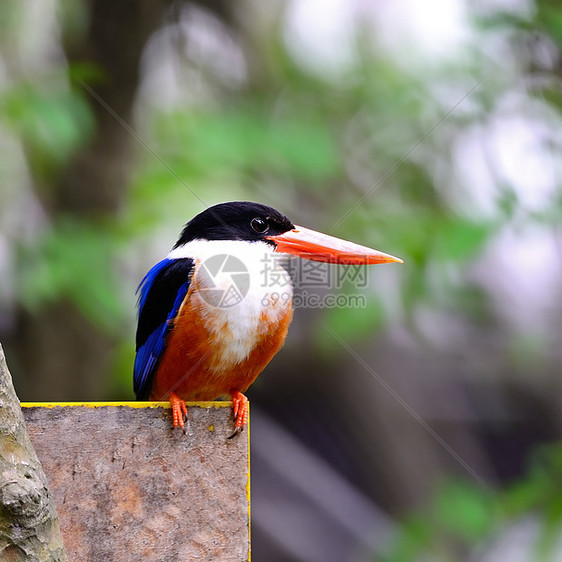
<point>128,487</point>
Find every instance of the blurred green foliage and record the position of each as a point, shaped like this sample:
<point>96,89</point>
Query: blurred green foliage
<point>464,517</point>
<point>51,119</point>
<point>312,144</point>
<point>73,261</point>
<point>243,140</point>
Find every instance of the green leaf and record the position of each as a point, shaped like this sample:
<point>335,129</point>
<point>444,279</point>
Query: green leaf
<point>243,140</point>
<point>413,541</point>
<point>465,511</point>
<point>72,261</point>
<point>53,122</point>
<point>352,321</point>
<point>459,239</point>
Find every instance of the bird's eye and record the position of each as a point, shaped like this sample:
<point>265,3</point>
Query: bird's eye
<point>259,225</point>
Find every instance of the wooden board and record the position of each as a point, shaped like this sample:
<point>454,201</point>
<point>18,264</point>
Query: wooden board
<point>127,487</point>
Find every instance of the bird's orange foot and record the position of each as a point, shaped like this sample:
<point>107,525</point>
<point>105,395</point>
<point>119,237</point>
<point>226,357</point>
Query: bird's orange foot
<point>240,409</point>
<point>179,411</point>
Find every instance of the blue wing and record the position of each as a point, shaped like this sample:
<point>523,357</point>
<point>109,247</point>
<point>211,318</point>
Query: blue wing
<point>162,292</point>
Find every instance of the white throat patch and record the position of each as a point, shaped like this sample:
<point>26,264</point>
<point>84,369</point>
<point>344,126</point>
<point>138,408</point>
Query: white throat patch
<point>240,284</point>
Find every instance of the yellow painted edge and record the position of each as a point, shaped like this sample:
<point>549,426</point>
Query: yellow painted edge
<point>131,404</point>
<point>248,491</point>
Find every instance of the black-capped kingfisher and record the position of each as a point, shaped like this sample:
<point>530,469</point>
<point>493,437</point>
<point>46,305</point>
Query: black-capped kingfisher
<point>194,344</point>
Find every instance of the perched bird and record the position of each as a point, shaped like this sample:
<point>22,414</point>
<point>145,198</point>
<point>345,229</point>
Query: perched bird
<point>207,325</point>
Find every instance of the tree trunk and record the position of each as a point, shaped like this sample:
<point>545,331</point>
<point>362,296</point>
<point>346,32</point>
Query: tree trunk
<point>29,527</point>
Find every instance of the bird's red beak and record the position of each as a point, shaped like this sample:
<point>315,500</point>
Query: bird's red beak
<point>316,246</point>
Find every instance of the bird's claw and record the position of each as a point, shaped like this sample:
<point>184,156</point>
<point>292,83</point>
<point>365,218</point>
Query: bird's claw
<point>237,431</point>
<point>179,411</point>
<point>240,411</point>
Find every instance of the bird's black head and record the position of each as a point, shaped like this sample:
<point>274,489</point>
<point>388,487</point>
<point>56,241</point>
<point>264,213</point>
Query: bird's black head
<point>237,220</point>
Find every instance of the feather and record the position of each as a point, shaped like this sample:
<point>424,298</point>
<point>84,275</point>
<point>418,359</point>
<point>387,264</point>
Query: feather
<point>161,294</point>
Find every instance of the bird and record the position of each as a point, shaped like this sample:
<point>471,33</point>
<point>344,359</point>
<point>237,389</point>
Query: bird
<point>207,325</point>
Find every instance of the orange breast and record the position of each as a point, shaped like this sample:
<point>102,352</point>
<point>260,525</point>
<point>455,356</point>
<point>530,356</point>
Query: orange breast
<point>209,355</point>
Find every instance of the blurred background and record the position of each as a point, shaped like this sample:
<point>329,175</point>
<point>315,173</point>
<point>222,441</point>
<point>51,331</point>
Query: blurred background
<point>424,425</point>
